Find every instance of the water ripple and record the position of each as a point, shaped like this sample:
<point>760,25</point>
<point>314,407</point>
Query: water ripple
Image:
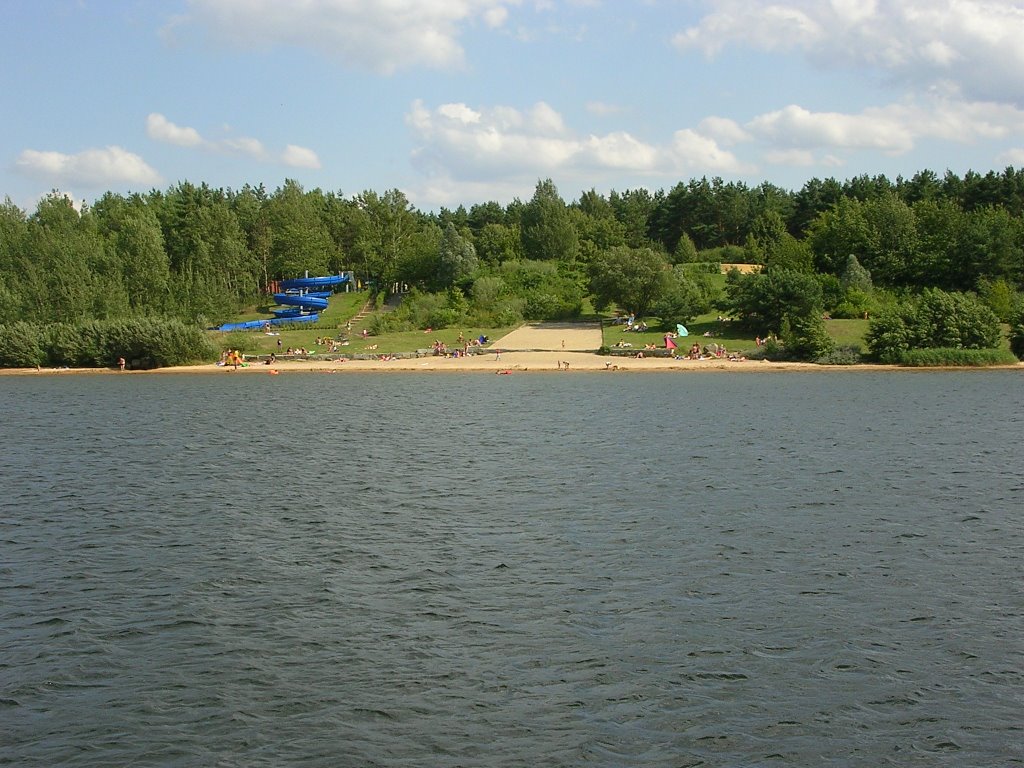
<point>559,571</point>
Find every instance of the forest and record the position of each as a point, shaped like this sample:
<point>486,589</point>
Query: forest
<point>934,261</point>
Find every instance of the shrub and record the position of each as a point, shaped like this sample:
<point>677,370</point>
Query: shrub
<point>65,345</point>
<point>955,320</point>
<point>486,290</point>
<point>845,355</point>
<point>726,254</point>
<point>701,268</point>
<point>1017,335</point>
<point>956,356</point>
<point>934,320</point>
<point>20,345</point>
<point>891,332</point>
<point>509,312</point>
<point>806,337</point>
<point>143,342</point>
<point>855,304</point>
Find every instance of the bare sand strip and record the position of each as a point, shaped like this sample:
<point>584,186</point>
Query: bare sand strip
<point>491,362</point>
<point>505,363</point>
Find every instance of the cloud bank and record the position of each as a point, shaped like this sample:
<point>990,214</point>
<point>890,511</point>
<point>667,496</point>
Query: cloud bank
<point>92,168</point>
<point>160,129</point>
<point>458,144</point>
<point>968,47</point>
<point>377,36</point>
<point>470,144</point>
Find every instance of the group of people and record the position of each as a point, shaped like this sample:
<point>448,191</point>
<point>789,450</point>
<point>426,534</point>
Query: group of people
<point>232,357</point>
<point>630,322</point>
<point>460,348</point>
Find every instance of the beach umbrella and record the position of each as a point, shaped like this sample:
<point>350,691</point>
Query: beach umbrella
<point>681,330</point>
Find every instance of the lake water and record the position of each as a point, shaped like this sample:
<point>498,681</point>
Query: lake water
<point>608,569</point>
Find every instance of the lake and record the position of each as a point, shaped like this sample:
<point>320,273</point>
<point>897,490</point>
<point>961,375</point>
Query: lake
<point>607,569</point>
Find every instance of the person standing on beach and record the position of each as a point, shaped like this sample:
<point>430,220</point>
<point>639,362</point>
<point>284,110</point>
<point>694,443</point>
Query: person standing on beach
<point>121,363</point>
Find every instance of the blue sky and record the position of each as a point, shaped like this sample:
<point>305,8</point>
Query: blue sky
<point>465,101</point>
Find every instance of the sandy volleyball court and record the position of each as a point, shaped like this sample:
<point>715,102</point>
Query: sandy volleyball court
<point>552,337</point>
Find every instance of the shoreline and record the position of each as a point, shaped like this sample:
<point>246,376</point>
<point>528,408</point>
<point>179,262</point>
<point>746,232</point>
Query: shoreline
<point>509,362</point>
<point>530,348</point>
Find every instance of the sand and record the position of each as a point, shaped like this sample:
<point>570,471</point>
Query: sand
<point>537,347</point>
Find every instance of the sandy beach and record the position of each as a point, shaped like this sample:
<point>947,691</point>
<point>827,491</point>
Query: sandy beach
<point>538,347</point>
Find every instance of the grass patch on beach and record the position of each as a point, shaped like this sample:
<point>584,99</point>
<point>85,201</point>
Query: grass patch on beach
<point>708,328</point>
<point>704,330</point>
<point>259,343</point>
<point>847,333</point>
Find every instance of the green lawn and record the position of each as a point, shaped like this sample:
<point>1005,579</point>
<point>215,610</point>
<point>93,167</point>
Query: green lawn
<point>704,330</point>
<point>707,328</point>
<point>847,333</point>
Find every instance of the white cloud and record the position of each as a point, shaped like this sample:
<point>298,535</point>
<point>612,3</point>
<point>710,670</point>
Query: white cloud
<point>620,150</point>
<point>93,168</point>
<point>893,129</point>
<point>367,34</point>
<point>244,145</point>
<point>468,144</point>
<point>300,157</point>
<point>496,16</point>
<point>159,128</point>
<point>459,112</point>
<point>546,120</point>
<point>1014,156</point>
<point>723,130</point>
<point>798,127</point>
<point>973,45</point>
<point>462,148</point>
<point>529,144</point>
<point>694,152</point>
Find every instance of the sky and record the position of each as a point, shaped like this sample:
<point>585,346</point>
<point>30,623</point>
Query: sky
<point>467,101</point>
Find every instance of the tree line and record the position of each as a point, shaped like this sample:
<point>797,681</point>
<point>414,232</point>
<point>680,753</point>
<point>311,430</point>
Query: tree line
<point>201,254</point>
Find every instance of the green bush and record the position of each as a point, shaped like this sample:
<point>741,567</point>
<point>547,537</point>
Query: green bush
<point>21,345</point>
<point>855,304</point>
<point>65,345</point>
<point>806,337</point>
<point>933,320</point>
<point>142,342</point>
<point>845,355</point>
<point>701,268</point>
<point>726,254</point>
<point>952,356</point>
<point>1017,336</point>
<point>509,312</point>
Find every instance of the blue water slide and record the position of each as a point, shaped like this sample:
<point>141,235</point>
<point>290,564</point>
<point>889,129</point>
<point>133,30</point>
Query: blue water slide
<point>252,325</point>
<point>301,300</point>
<point>303,283</point>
